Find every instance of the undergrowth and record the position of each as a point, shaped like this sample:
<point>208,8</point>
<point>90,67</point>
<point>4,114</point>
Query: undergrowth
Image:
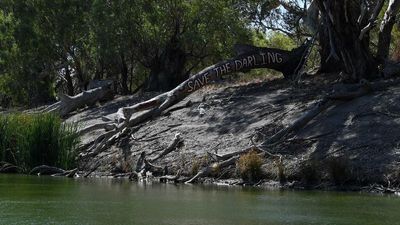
<point>29,140</point>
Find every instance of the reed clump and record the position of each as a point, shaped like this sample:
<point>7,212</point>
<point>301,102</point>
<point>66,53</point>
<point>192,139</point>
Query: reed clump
<point>29,140</point>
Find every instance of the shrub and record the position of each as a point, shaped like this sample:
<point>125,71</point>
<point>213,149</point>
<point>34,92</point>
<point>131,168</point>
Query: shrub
<point>249,166</point>
<point>339,170</point>
<point>29,140</point>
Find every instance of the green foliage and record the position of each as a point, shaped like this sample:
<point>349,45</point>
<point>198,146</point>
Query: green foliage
<point>249,166</point>
<point>271,40</point>
<point>121,40</point>
<point>29,140</point>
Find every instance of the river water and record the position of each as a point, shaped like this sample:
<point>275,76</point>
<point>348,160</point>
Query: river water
<point>47,200</point>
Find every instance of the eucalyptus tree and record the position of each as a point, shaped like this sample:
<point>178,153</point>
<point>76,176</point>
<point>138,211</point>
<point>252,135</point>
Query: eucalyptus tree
<point>169,38</point>
<point>350,23</point>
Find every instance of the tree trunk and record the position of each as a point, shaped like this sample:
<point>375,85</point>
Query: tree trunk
<point>168,70</point>
<point>70,85</point>
<point>98,75</point>
<point>341,18</point>
<point>68,104</point>
<point>385,31</point>
<point>124,76</point>
<point>329,63</point>
<point>249,57</point>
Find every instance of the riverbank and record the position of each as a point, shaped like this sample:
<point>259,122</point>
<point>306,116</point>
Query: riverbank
<point>351,144</point>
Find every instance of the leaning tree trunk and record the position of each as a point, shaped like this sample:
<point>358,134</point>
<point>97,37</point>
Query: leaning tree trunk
<point>329,63</point>
<point>124,76</point>
<point>70,85</point>
<point>249,57</point>
<point>385,31</point>
<point>344,26</point>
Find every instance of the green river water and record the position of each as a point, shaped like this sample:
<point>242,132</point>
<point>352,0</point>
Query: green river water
<point>46,200</point>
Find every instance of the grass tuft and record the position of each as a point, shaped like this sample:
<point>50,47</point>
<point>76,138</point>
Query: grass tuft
<point>249,166</point>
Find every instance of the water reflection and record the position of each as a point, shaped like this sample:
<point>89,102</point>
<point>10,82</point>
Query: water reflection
<point>45,200</point>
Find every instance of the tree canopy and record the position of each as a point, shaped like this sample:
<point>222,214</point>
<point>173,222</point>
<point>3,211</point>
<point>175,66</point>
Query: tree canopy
<point>48,48</point>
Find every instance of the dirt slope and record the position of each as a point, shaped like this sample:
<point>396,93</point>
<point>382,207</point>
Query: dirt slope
<point>353,142</point>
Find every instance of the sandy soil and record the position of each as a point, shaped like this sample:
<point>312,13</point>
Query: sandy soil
<point>355,142</point>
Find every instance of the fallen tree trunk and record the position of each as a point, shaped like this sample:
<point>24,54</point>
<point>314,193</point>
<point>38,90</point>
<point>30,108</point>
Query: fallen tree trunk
<point>46,170</point>
<point>249,57</point>
<point>68,104</point>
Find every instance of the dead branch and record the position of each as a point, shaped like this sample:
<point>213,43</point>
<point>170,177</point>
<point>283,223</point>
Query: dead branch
<point>169,149</point>
<point>68,173</point>
<point>372,20</point>
<point>143,165</point>
<point>170,178</point>
<point>209,169</point>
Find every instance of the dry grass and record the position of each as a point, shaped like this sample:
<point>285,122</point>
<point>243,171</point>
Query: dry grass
<point>249,166</point>
<point>199,163</point>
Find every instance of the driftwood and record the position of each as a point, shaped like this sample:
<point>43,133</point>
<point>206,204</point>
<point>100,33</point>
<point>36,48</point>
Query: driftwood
<point>6,167</point>
<point>67,173</point>
<point>209,169</point>
<point>129,175</point>
<point>169,149</point>
<point>143,165</point>
<point>46,170</point>
<point>68,104</point>
<point>170,178</point>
